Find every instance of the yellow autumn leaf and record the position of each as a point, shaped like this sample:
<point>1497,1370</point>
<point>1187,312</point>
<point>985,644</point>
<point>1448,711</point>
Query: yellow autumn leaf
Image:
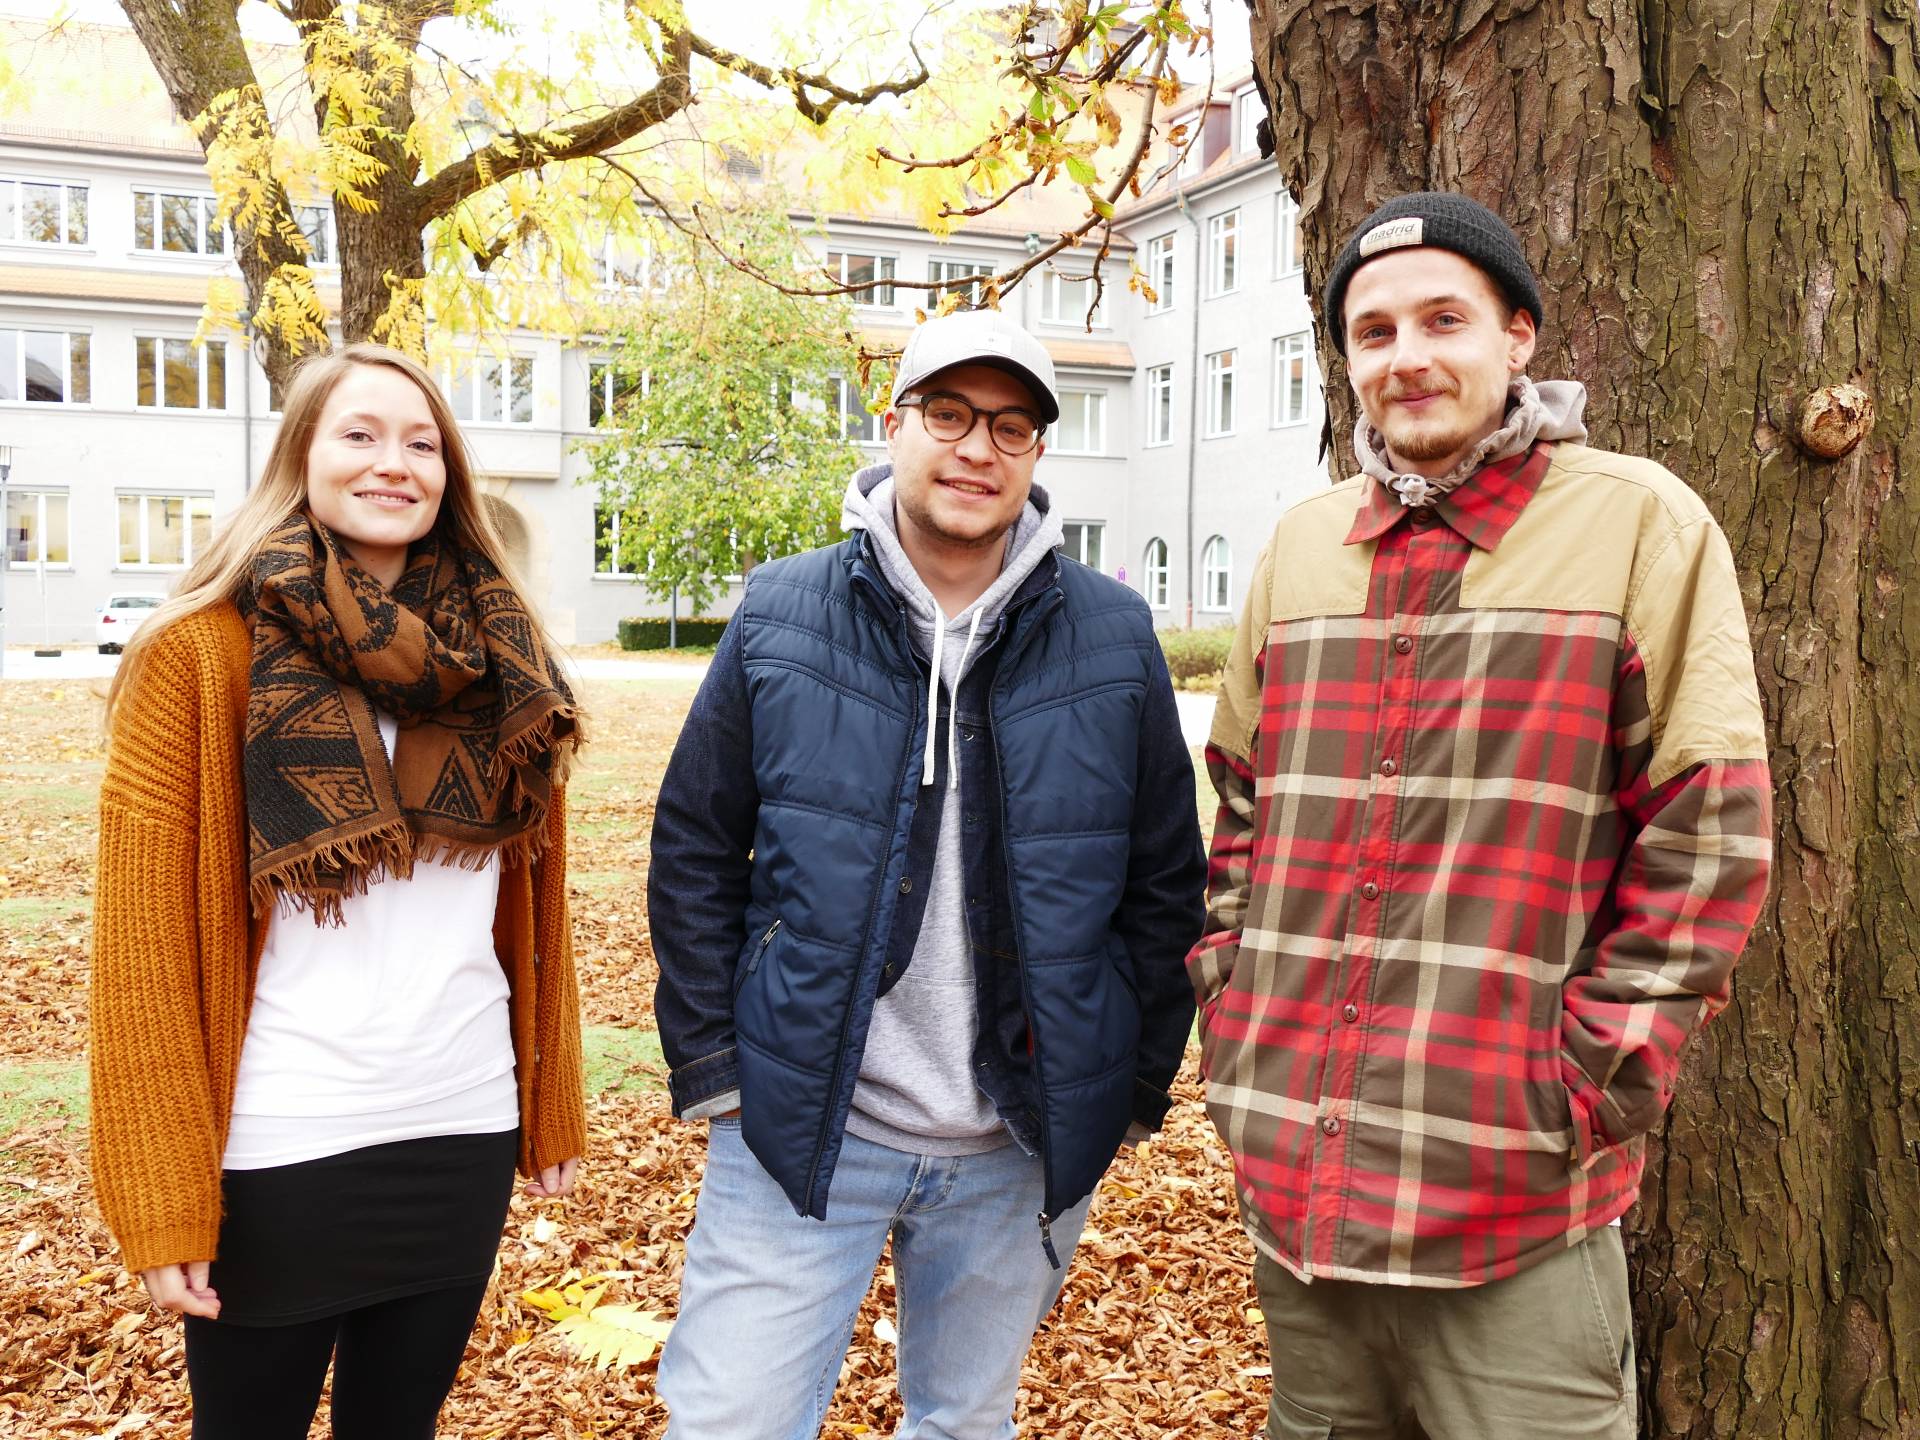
<point>613,1336</point>
<point>547,1300</point>
<point>1254,1317</point>
<point>544,1230</point>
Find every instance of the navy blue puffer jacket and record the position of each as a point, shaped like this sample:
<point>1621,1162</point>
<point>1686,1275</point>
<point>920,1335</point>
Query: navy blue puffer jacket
<point>784,850</point>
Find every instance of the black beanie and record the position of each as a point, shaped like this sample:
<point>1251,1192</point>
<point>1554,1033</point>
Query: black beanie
<point>1441,221</point>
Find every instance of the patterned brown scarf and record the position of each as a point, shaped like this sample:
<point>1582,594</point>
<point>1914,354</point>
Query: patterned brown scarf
<point>487,723</point>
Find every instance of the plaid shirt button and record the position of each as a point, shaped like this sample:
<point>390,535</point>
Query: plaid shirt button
<point>1350,1013</point>
<point>1330,1125</point>
<point>1403,643</point>
<point>1370,891</point>
<point>1387,767</point>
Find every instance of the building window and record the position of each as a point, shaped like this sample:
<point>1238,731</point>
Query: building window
<point>1064,300</point>
<point>607,557</point>
<point>873,272</point>
<point>1248,111</point>
<point>316,223</point>
<point>177,224</point>
<point>37,527</point>
<point>48,367</point>
<point>1082,427</point>
<point>1286,235</point>
<point>38,212</point>
<point>492,390</point>
<point>179,375</point>
<point>1160,273</point>
<point>1216,574</point>
<point>1155,582</point>
<point>164,530</point>
<point>1292,362</point>
<point>1223,253</point>
<point>1196,143</point>
<point>1220,393</point>
<point>1085,541</point>
<point>857,423</point>
<point>617,267</point>
<point>1160,405</point>
<point>607,386</point>
<point>958,270</point>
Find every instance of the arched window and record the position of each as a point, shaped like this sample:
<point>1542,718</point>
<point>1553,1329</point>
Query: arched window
<point>1216,574</point>
<point>1154,581</point>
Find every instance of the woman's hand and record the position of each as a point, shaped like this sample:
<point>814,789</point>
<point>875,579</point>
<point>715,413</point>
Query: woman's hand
<point>182,1288</point>
<point>555,1180</point>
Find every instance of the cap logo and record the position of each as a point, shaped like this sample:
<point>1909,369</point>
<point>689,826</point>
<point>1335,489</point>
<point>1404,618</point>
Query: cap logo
<point>991,341</point>
<point>1408,230</point>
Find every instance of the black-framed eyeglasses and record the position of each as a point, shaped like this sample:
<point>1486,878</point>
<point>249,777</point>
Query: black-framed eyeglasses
<point>948,417</point>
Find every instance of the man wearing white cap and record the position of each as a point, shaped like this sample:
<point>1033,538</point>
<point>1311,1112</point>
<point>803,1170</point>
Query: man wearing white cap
<point>925,868</point>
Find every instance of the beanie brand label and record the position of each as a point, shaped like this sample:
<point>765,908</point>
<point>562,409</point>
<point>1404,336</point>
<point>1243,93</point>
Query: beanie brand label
<point>1408,230</point>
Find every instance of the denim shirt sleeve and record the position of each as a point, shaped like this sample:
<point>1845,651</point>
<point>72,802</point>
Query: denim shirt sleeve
<point>699,878</point>
<point>1164,907</point>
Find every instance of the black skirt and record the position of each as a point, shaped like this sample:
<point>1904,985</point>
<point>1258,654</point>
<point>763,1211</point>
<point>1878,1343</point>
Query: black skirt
<point>321,1237</point>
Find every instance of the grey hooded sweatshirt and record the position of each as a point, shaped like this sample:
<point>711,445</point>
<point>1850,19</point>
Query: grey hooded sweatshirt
<point>1543,410</point>
<point>916,1090</point>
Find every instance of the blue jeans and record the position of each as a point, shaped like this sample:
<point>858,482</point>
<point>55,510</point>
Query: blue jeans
<point>768,1298</point>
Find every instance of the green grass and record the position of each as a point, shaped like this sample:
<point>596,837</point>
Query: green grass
<point>33,912</point>
<point>32,1091</point>
<point>35,1090</point>
<point>614,1054</point>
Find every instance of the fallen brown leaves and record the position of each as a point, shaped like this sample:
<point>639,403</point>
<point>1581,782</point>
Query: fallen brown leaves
<point>1151,1339</point>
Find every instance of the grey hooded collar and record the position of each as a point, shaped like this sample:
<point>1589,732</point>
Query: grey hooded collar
<point>1550,410</point>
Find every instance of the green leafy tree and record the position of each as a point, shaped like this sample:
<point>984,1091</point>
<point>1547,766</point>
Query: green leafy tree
<point>723,444</point>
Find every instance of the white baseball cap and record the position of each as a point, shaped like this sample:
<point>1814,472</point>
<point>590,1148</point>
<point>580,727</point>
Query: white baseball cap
<point>978,337</point>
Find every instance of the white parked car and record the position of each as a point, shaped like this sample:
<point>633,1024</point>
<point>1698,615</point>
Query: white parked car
<point>121,616</point>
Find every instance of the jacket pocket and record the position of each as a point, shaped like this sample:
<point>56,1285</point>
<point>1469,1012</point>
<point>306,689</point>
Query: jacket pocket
<point>1287,1420</point>
<point>754,957</point>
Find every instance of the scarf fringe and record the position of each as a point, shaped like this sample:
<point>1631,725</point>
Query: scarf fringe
<point>393,851</point>
<point>544,736</point>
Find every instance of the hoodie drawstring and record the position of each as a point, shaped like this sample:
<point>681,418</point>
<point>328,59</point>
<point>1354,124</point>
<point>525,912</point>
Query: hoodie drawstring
<point>933,699</point>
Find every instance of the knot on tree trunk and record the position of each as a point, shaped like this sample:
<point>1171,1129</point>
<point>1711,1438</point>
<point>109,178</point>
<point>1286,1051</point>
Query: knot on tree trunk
<point>1834,419</point>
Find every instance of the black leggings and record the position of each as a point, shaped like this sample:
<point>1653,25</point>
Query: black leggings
<point>393,1364</point>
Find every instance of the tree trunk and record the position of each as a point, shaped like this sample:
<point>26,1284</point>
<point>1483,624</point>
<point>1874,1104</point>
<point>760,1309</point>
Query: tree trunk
<point>1719,200</point>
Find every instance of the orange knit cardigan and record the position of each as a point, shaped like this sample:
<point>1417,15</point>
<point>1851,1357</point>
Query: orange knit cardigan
<point>175,953</point>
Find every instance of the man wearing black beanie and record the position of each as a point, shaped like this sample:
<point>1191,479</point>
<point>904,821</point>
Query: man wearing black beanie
<point>1494,826</point>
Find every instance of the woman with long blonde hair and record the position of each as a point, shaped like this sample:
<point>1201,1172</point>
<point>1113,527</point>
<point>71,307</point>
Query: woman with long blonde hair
<point>333,998</point>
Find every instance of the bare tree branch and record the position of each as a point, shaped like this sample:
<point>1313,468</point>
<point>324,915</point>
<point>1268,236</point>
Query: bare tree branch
<point>799,83</point>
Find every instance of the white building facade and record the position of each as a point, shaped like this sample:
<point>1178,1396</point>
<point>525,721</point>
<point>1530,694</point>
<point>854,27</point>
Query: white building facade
<point>1190,419</point>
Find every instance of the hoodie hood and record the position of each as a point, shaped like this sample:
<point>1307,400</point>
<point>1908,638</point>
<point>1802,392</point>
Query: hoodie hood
<point>949,641</point>
<point>1549,410</point>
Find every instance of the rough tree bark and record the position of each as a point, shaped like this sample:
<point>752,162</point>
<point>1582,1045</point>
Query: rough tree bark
<point>1720,200</point>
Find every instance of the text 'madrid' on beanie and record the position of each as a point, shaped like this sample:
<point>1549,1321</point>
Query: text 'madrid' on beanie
<point>1442,221</point>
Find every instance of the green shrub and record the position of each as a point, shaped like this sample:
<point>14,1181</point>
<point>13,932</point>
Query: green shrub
<point>1196,654</point>
<point>649,632</point>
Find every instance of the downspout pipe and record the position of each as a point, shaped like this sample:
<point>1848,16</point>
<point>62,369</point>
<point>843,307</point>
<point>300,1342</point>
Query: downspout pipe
<point>1193,394</point>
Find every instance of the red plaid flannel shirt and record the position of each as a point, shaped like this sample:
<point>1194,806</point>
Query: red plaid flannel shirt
<point>1494,826</point>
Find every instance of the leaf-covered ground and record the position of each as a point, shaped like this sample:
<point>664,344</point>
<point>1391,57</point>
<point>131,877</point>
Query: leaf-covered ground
<point>1153,1338</point>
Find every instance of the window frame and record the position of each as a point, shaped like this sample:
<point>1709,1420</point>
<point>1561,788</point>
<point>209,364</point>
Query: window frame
<point>39,496</point>
<point>190,499</point>
<point>1159,378</point>
<point>1223,254</point>
<point>1097,530</point>
<point>329,232</point>
<point>1157,577</point>
<point>983,269</point>
<point>506,362</point>
<point>1053,285</point>
<point>1286,235</point>
<point>1219,370</point>
<point>1162,272</point>
<point>206,211</point>
<point>65,223</point>
<point>1286,348</point>
<point>848,401</point>
<point>612,515</point>
<point>228,378</point>
<point>1249,109</point>
<point>886,282</point>
<point>1210,571</point>
<point>19,377</point>
<point>1056,432</point>
<point>600,389</point>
